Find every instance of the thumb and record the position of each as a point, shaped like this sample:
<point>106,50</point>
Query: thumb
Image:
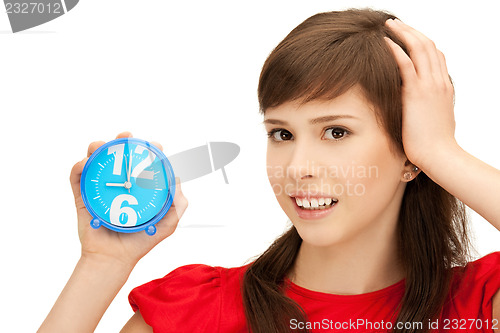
<point>74,178</point>
<point>180,202</point>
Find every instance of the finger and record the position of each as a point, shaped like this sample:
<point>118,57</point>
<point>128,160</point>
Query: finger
<point>124,135</point>
<point>444,68</point>
<point>169,222</point>
<point>74,178</point>
<point>180,202</point>
<point>423,52</point>
<point>93,147</point>
<point>406,67</point>
<point>430,46</point>
<point>159,146</point>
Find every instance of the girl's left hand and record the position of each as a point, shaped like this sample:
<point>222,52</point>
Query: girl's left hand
<point>427,95</point>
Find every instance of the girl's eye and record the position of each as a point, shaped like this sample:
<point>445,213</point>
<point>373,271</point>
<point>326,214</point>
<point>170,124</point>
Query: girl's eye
<point>335,133</point>
<point>279,134</point>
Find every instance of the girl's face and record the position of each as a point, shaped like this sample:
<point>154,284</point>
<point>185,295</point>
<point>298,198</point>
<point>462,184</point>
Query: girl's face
<point>334,150</point>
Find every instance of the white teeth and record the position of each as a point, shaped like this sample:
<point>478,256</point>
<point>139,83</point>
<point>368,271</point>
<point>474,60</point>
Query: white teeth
<point>315,203</point>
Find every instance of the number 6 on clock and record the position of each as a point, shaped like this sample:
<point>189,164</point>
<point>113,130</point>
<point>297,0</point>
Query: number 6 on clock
<point>123,215</point>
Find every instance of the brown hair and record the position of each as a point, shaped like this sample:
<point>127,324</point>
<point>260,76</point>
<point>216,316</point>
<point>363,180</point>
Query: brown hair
<point>322,58</point>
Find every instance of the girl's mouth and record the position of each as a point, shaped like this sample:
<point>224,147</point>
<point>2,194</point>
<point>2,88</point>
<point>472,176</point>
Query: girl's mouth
<point>313,208</point>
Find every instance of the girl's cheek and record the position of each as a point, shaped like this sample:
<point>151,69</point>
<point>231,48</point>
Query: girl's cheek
<point>361,171</point>
<point>376,180</point>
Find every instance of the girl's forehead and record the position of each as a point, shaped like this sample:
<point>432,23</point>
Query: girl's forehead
<point>350,105</point>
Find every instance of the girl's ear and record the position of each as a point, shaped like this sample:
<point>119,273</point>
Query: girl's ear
<point>410,171</point>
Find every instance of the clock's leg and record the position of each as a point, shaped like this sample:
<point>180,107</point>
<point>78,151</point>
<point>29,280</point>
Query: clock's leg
<point>95,223</point>
<point>151,230</point>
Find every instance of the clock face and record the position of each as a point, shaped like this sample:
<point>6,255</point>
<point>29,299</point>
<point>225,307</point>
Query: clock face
<point>126,183</point>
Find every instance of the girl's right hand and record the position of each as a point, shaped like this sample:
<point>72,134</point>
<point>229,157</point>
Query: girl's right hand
<point>103,244</point>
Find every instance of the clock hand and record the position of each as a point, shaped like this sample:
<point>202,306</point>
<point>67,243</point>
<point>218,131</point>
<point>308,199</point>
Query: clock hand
<point>128,184</point>
<point>116,184</point>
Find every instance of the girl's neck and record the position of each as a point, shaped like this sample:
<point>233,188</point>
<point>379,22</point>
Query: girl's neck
<point>362,265</point>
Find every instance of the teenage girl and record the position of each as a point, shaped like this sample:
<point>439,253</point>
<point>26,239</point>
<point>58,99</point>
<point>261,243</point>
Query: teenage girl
<point>363,160</point>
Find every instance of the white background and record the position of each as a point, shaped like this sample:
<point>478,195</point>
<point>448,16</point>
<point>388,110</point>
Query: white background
<point>181,73</point>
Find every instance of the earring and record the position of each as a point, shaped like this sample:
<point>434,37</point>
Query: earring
<point>407,175</point>
<point>415,169</point>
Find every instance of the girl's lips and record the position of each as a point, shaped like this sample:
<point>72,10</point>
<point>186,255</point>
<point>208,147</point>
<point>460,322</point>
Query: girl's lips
<point>312,214</point>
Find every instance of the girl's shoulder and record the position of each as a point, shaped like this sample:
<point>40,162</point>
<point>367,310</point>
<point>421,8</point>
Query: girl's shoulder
<point>485,270</point>
<point>190,298</point>
<point>472,289</point>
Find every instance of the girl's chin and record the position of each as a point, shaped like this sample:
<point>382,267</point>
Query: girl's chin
<point>317,236</point>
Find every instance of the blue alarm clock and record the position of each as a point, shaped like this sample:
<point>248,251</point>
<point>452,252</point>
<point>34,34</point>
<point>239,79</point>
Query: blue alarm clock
<point>127,185</point>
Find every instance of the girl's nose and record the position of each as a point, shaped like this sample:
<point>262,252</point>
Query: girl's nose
<point>302,163</point>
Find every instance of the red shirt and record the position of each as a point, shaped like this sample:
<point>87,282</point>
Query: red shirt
<point>201,298</point>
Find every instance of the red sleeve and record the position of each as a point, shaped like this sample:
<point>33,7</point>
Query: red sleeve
<point>188,299</point>
<point>472,293</point>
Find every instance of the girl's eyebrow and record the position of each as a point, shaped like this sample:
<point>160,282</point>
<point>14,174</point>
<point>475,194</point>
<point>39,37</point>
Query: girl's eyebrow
<point>311,121</point>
